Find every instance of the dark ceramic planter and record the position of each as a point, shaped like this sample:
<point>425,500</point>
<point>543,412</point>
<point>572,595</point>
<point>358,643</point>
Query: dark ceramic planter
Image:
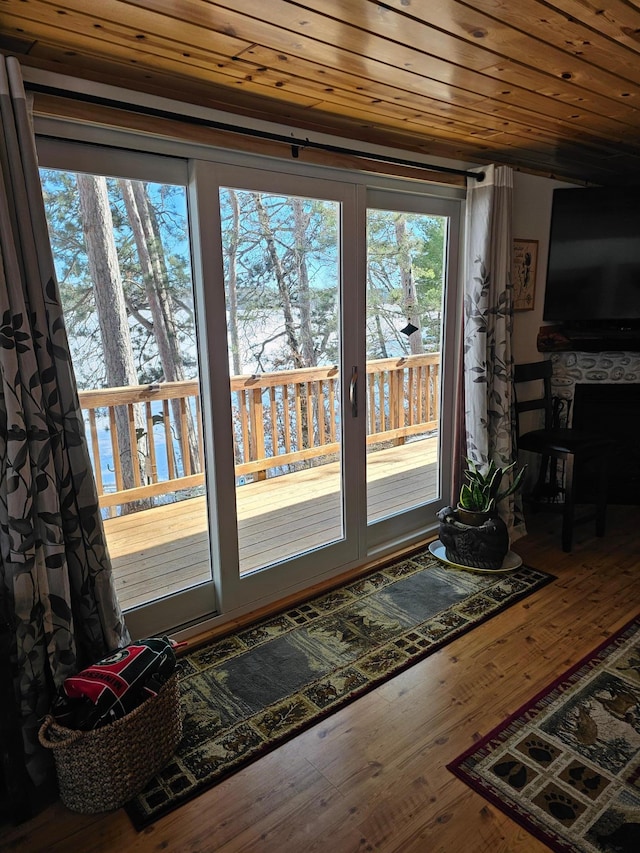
<point>481,546</point>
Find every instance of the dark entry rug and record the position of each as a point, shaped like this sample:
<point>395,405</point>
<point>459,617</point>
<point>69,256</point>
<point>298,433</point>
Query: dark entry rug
<point>566,766</point>
<point>248,692</point>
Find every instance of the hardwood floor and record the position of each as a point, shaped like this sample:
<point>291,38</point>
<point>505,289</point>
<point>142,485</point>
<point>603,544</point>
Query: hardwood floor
<point>372,776</point>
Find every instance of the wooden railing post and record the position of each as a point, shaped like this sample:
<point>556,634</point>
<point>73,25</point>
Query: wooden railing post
<point>256,419</point>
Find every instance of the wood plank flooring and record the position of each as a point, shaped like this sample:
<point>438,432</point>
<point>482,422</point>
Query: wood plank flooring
<point>372,776</point>
<point>161,550</point>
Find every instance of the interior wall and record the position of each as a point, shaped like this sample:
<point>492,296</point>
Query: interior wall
<point>532,196</point>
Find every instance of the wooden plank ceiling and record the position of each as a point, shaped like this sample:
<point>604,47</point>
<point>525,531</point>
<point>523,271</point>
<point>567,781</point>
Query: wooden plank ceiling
<point>549,87</point>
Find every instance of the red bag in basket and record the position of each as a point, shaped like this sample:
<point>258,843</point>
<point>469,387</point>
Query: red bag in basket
<point>115,685</point>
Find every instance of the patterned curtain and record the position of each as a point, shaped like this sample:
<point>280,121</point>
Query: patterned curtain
<point>56,581</point>
<point>489,411</point>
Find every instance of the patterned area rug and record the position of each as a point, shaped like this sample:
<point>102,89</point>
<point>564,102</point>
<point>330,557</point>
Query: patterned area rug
<point>567,765</point>
<point>244,694</point>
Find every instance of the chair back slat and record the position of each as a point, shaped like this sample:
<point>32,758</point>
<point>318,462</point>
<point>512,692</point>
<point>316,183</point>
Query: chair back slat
<point>535,371</point>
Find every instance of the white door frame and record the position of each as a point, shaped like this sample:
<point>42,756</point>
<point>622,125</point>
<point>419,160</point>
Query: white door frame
<point>233,590</point>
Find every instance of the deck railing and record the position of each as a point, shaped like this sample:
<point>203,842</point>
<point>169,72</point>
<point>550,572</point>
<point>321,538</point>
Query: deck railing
<point>281,419</point>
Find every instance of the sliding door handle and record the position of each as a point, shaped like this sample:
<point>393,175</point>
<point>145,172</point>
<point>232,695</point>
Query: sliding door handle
<point>353,392</point>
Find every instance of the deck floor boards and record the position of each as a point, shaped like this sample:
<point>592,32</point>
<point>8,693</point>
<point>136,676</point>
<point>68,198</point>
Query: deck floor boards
<point>159,551</point>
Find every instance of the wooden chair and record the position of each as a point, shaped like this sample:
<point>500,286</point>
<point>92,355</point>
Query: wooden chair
<point>572,447</point>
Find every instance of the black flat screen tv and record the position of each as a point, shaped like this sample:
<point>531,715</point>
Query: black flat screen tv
<point>593,272</point>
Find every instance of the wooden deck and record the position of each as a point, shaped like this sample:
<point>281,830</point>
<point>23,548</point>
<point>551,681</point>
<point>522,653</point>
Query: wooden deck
<point>159,551</point>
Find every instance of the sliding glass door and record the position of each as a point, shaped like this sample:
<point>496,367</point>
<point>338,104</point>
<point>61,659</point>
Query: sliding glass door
<point>332,334</point>
<point>265,361</point>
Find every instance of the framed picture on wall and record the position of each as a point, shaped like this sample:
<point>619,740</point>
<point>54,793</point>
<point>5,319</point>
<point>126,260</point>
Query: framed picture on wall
<point>523,274</point>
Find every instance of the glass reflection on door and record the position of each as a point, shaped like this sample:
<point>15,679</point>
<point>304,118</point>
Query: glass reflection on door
<point>283,301</point>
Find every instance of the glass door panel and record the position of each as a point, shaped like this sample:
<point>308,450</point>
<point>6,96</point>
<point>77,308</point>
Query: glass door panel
<point>283,298</point>
<point>122,253</point>
<point>407,253</point>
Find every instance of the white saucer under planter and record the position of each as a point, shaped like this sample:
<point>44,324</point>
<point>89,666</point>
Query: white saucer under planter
<point>511,561</point>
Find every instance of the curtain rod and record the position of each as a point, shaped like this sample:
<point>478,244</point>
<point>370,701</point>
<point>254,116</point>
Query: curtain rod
<point>295,143</point>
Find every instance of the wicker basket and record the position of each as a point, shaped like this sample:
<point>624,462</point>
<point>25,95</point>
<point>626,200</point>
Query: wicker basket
<point>100,770</point>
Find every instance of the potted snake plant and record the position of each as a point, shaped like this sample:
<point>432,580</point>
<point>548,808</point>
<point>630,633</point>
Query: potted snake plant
<point>481,494</point>
<point>473,534</point>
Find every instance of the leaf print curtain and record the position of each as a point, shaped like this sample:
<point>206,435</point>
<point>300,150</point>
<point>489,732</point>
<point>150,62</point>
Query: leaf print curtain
<point>489,411</point>
<point>56,581</point>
